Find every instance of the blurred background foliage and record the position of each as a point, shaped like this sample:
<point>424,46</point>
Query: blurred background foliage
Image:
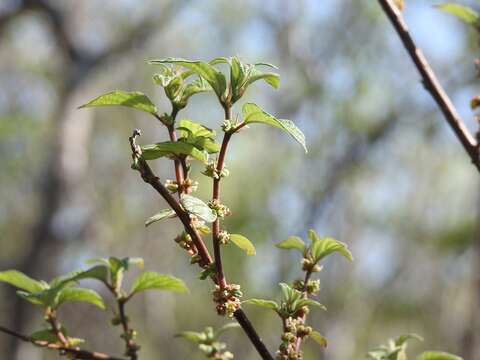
<point>384,173</point>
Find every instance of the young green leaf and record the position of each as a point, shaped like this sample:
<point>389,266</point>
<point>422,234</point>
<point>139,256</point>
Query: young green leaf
<point>198,208</point>
<point>198,135</point>
<point>252,113</point>
<point>205,70</point>
<point>45,335</point>
<point>155,151</point>
<point>322,247</point>
<point>464,13</point>
<point>309,302</point>
<point>150,280</point>
<point>268,304</point>
<point>80,295</point>
<point>188,127</point>
<point>437,355</point>
<point>402,339</point>
<point>22,281</point>
<point>290,295</point>
<point>319,338</point>
<point>97,272</point>
<point>38,298</point>
<point>195,87</point>
<point>270,78</point>
<point>243,243</point>
<point>196,337</point>
<point>293,242</point>
<point>226,327</point>
<point>164,214</point>
<point>133,99</point>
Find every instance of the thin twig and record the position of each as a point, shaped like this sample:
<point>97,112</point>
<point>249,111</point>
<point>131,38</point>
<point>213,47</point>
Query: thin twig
<point>52,320</point>
<point>431,82</point>
<point>222,282</point>
<point>216,198</point>
<point>76,352</point>
<point>248,328</point>
<point>149,177</point>
<point>131,346</point>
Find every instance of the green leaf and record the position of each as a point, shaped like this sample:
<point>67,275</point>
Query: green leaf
<point>319,338</point>
<point>310,302</point>
<point>268,304</point>
<point>206,144</point>
<point>188,127</point>
<point>205,70</point>
<point>437,355</point>
<point>402,339</point>
<point>45,335</point>
<point>226,327</point>
<point>37,298</point>
<point>198,208</point>
<point>22,281</point>
<point>195,87</point>
<point>293,242</point>
<point>290,295</point>
<point>133,99</point>
<point>243,243</point>
<point>155,151</point>
<point>322,247</point>
<point>464,13</point>
<point>164,214</point>
<point>150,280</point>
<point>252,113</point>
<point>80,295</point>
<point>272,79</point>
<point>196,337</point>
<point>198,135</point>
<point>96,272</point>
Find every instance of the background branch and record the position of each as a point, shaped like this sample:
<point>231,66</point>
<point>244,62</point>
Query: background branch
<point>431,82</point>
<point>63,351</point>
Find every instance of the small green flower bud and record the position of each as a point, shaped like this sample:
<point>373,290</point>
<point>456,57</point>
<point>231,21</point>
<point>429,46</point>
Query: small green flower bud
<point>171,185</point>
<point>226,125</point>
<point>115,321</point>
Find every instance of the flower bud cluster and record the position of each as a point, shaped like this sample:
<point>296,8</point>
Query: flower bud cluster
<point>185,242</point>
<point>171,185</point>
<point>224,237</point>
<point>227,125</point>
<point>294,329</point>
<point>312,288</point>
<point>311,266</point>
<point>211,171</point>
<point>219,208</point>
<point>189,186</point>
<point>227,299</point>
<point>216,351</point>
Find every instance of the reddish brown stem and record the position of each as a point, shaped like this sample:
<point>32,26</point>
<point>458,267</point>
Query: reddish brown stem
<point>76,352</point>
<point>431,82</point>
<point>149,177</point>
<point>222,281</point>
<point>130,345</point>
<point>52,320</point>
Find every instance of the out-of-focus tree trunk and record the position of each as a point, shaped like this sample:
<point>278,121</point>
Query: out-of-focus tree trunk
<point>67,161</point>
<point>471,337</point>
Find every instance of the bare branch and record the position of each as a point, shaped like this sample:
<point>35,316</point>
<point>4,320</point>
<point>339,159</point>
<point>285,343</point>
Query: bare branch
<point>63,351</point>
<point>431,82</point>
